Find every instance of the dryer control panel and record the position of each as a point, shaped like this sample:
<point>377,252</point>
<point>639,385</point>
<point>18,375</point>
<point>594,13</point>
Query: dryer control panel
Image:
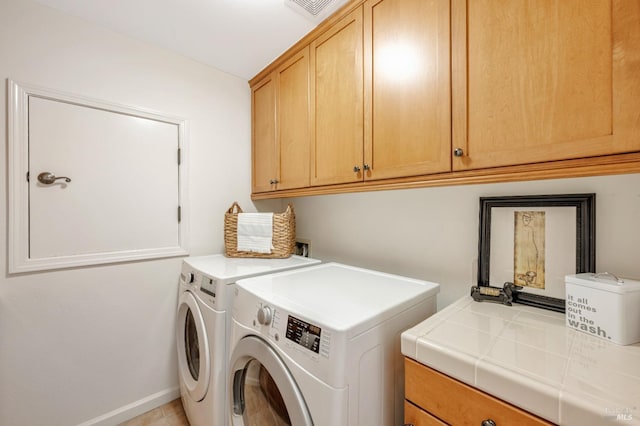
<point>304,334</point>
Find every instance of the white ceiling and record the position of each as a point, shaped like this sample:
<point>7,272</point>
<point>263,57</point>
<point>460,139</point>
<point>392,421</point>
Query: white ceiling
<point>239,37</point>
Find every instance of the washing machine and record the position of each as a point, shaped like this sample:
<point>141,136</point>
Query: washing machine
<point>321,346</point>
<point>203,325</point>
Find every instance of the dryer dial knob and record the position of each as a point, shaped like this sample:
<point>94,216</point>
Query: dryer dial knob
<point>187,277</point>
<point>264,315</point>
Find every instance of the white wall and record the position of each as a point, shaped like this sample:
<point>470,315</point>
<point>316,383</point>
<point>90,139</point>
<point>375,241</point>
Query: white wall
<point>83,343</point>
<point>432,233</point>
<point>80,343</point>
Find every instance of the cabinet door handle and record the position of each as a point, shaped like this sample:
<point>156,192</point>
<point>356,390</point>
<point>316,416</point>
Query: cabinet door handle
<point>48,178</point>
<point>273,181</point>
<point>458,152</point>
<point>367,167</point>
<point>488,422</point>
<point>356,169</point>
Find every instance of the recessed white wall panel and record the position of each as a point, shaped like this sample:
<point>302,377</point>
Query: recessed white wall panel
<point>117,183</point>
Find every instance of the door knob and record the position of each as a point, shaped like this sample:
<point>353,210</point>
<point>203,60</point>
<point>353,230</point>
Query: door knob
<point>48,178</point>
<point>458,152</point>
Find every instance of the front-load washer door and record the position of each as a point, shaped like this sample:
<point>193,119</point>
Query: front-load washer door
<point>193,349</point>
<point>263,392</point>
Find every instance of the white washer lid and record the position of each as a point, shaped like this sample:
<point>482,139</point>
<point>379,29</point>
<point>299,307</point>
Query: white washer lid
<point>227,270</point>
<point>344,298</point>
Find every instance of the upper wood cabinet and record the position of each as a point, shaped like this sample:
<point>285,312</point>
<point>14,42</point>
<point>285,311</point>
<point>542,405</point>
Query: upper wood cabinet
<point>407,122</point>
<point>543,81</point>
<point>263,134</point>
<point>411,93</point>
<point>280,127</point>
<point>293,121</point>
<point>337,102</point>
<point>381,90</point>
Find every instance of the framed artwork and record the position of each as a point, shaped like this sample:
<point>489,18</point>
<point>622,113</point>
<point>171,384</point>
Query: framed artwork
<point>533,242</point>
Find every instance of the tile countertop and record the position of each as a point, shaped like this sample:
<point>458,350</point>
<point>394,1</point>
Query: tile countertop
<point>529,358</point>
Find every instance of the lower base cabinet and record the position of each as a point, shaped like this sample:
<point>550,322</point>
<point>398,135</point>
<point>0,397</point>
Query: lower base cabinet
<point>432,398</point>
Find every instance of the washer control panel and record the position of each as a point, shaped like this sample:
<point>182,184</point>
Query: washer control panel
<point>208,286</point>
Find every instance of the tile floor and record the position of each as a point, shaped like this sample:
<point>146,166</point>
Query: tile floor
<point>170,414</point>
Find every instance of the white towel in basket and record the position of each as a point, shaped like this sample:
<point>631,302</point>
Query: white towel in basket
<point>255,232</point>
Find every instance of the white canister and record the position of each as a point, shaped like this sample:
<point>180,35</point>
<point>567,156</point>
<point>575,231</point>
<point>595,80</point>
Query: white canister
<point>604,306</point>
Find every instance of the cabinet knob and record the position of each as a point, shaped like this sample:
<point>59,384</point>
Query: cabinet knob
<point>356,169</point>
<point>458,152</point>
<point>273,181</point>
<point>488,422</point>
<point>367,167</point>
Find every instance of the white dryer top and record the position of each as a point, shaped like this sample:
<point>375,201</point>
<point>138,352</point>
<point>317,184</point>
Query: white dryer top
<point>342,297</point>
<point>227,270</point>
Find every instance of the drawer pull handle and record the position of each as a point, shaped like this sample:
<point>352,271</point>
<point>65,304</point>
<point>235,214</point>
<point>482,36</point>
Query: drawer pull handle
<point>488,422</point>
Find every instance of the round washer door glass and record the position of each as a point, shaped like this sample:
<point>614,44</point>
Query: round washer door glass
<point>263,391</point>
<point>193,348</point>
<point>191,345</point>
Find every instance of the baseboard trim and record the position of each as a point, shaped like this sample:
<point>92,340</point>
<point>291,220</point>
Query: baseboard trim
<point>129,411</point>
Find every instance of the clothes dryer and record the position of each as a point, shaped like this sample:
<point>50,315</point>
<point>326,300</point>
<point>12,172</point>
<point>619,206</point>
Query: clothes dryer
<point>203,325</point>
<point>321,346</point>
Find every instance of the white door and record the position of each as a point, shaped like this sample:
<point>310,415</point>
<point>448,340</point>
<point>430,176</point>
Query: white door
<point>102,182</point>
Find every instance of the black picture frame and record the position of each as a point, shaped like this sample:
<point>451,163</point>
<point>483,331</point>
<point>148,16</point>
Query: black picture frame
<point>585,244</point>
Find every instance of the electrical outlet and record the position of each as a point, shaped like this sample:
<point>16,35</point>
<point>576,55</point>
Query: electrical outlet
<point>303,247</point>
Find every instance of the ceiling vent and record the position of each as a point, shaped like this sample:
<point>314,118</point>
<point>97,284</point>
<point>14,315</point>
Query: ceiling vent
<point>314,10</point>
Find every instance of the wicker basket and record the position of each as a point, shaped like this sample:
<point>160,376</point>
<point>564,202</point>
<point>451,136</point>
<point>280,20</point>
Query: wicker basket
<point>284,234</point>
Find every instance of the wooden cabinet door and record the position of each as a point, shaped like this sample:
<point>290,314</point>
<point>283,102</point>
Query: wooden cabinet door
<point>545,80</point>
<point>263,135</point>
<point>407,87</point>
<point>337,102</point>
<point>293,122</point>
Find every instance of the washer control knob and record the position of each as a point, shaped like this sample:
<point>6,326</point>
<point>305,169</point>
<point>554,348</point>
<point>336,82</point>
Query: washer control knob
<point>264,315</point>
<point>188,277</point>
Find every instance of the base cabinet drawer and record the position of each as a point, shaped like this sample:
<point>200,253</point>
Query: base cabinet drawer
<point>452,402</point>
<point>416,416</point>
